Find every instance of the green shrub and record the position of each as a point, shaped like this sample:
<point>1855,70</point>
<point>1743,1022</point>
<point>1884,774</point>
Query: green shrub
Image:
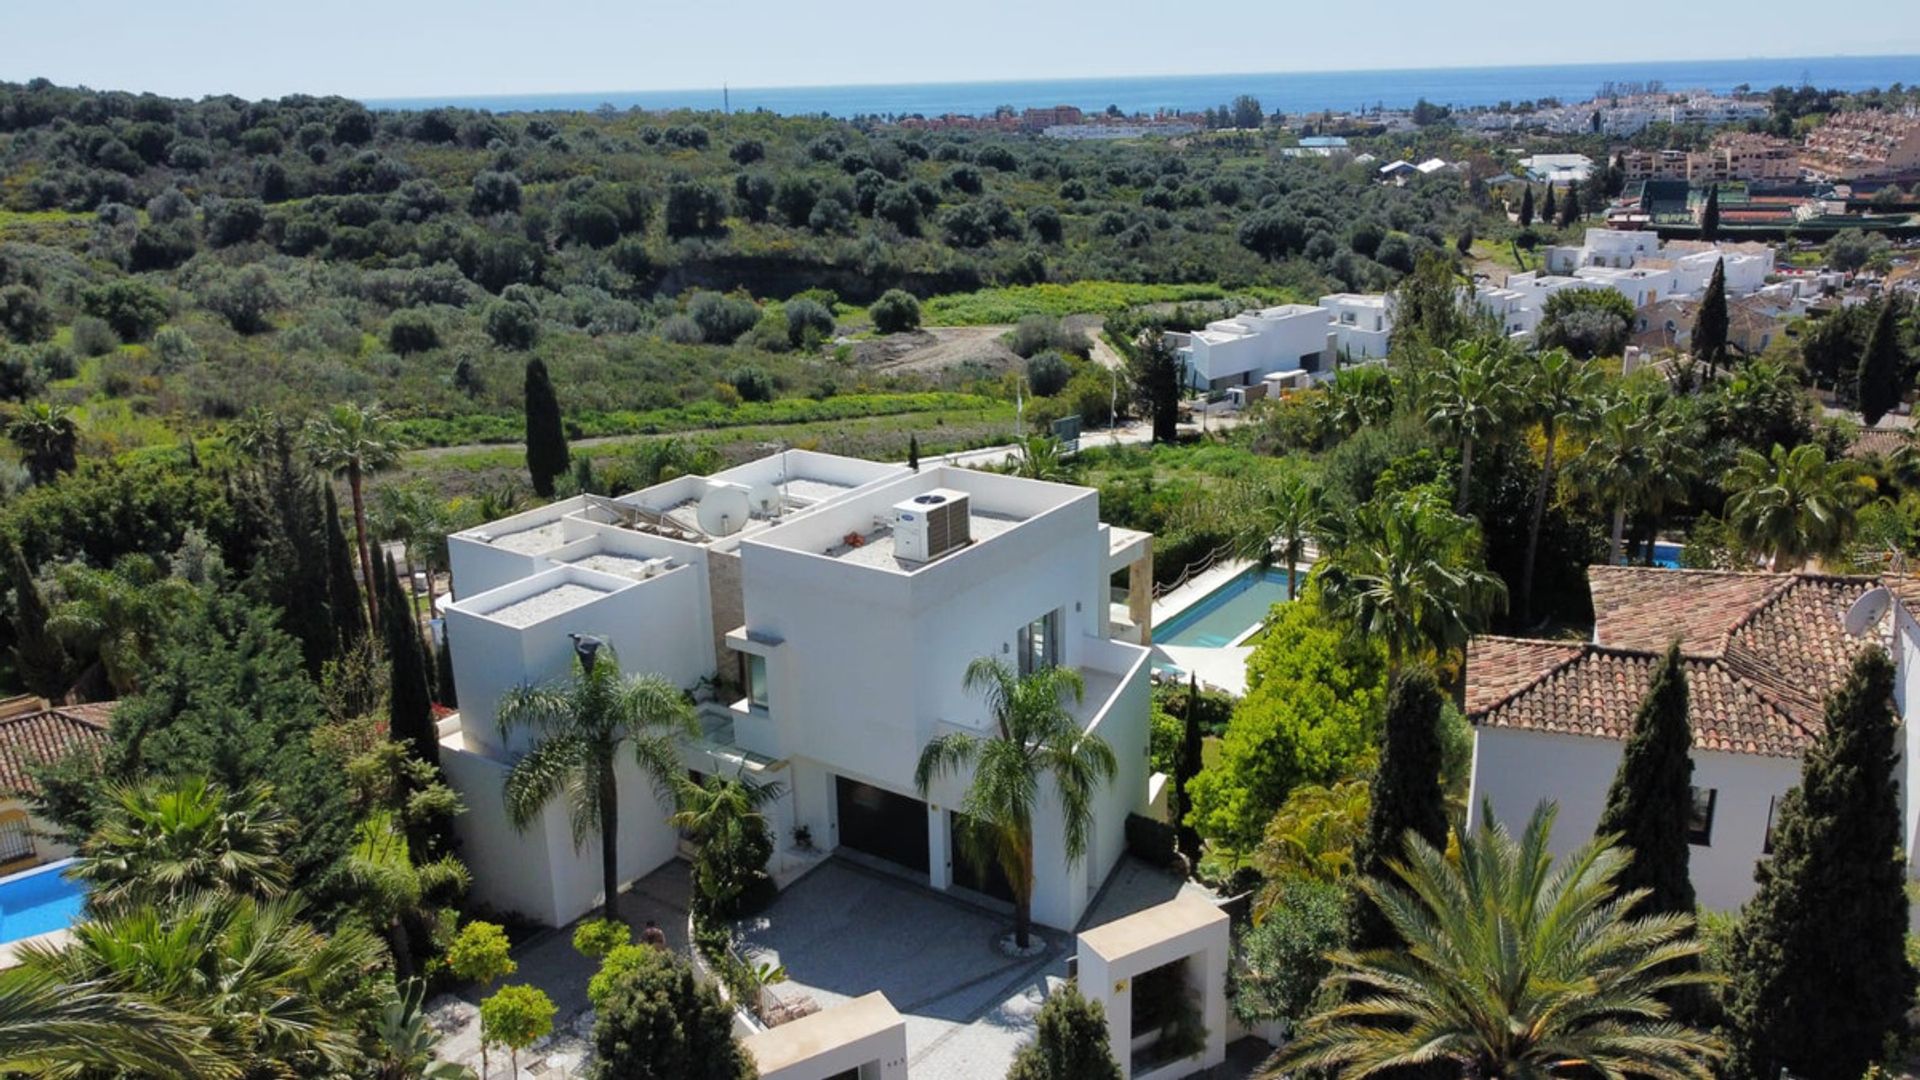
<point>598,937</point>
<point>93,337</point>
<point>896,311</point>
<point>411,332</point>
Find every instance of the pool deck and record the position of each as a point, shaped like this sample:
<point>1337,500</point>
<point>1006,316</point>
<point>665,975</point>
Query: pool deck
<point>52,939</point>
<point>1223,668</point>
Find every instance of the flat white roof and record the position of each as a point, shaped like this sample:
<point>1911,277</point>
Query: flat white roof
<point>545,604</point>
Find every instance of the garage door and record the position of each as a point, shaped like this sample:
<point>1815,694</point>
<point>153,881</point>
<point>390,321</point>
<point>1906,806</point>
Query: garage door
<point>880,823</point>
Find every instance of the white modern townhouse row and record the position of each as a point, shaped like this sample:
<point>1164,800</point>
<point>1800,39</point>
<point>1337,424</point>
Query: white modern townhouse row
<point>823,611</point>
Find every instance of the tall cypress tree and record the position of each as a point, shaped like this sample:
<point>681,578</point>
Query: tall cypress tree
<point>409,700</point>
<point>1710,326</point>
<point>1406,795</point>
<point>1526,208</point>
<point>1710,215</point>
<point>1652,791</point>
<point>343,590</point>
<point>39,659</point>
<point>1570,206</point>
<point>1547,209</point>
<point>546,437</point>
<point>913,452</point>
<point>1881,364</point>
<point>285,517</point>
<point>1820,978</point>
<point>443,671</point>
<point>1185,769</point>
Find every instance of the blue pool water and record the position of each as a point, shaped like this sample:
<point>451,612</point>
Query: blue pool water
<point>1237,606</point>
<point>38,901</point>
<point>1666,554</point>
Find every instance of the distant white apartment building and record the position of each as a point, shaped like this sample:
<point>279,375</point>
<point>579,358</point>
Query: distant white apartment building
<point>1687,264</point>
<point>1282,340</point>
<point>845,599</point>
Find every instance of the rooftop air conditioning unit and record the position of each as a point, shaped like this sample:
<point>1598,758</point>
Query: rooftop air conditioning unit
<point>928,526</point>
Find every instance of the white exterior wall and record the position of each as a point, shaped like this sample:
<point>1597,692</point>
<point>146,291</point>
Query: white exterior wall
<point>1517,770</point>
<point>1256,343</point>
<point>538,872</point>
<point>871,662</point>
<point>652,625</point>
<point>1362,324</point>
<point>1640,287</point>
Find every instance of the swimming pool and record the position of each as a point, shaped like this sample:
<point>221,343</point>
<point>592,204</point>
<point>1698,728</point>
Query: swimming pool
<point>39,900</point>
<point>1223,616</point>
<point>1666,553</point>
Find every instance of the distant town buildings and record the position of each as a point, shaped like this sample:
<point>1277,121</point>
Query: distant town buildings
<point>1866,145</point>
<point>1558,168</point>
<point>1733,156</point>
<point>1622,115</point>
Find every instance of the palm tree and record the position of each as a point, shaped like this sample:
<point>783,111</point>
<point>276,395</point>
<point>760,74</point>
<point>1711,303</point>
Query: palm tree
<point>1559,394</point>
<point>272,995</point>
<point>391,891</point>
<point>47,436</point>
<point>723,816</point>
<point>1470,399</point>
<point>1040,459</point>
<point>120,615</point>
<point>1793,505</point>
<point>1357,397</point>
<point>49,1027</point>
<point>1408,570</point>
<point>1639,456</point>
<point>1286,516</point>
<point>407,1041</point>
<point>169,840</point>
<point>400,515</point>
<point>579,729</point>
<point>1514,966</point>
<point>355,442</point>
<point>1033,733</point>
<point>1312,835</point>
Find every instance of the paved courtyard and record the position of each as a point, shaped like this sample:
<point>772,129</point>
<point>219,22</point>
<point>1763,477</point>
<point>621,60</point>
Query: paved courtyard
<point>846,930</point>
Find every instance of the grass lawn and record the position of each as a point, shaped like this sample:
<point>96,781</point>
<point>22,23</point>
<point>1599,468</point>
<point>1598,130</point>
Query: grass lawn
<point>986,307</point>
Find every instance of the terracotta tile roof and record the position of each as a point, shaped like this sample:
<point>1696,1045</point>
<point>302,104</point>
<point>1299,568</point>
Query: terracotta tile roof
<point>1646,608</point>
<point>1763,651</point>
<point>1505,665</point>
<point>1880,442</point>
<point>35,738</point>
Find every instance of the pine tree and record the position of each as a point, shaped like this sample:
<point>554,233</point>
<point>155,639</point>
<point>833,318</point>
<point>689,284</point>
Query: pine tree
<point>1406,795</point>
<point>1820,978</point>
<point>1880,365</point>
<point>1185,769</point>
<point>546,437</point>
<point>913,452</point>
<point>409,701</point>
<point>1710,215</point>
<point>1526,208</point>
<point>283,514</point>
<point>1710,326</point>
<point>1652,791</point>
<point>1547,209</point>
<point>343,590</point>
<point>39,660</point>
<point>1070,1041</point>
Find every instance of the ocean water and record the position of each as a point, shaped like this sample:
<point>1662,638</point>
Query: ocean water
<point>1290,93</point>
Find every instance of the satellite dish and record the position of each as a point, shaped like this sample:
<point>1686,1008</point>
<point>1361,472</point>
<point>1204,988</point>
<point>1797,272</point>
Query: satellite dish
<point>1866,612</point>
<point>723,510</point>
<point>764,499</point>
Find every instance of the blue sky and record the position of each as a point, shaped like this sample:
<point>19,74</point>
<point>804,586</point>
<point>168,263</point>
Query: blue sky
<point>406,48</point>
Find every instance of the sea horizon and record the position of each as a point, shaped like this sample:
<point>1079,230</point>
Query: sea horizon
<point>1295,92</point>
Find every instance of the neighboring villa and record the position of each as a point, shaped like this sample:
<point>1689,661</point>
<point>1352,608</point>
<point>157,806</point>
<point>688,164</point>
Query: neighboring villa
<point>1734,155</point>
<point>34,733</point>
<point>838,603</point>
<point>1762,651</point>
<point>1289,344</point>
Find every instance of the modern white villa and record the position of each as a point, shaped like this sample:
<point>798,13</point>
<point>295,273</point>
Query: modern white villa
<point>838,602</point>
<point>1762,651</point>
<point>1284,340</point>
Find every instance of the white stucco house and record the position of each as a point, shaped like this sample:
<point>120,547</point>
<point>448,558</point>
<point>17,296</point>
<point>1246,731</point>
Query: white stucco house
<point>1687,265</point>
<point>1761,651</point>
<point>1245,349</point>
<point>825,609</point>
<point>1362,324</point>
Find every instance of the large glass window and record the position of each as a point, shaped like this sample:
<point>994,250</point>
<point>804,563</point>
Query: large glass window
<point>756,679</point>
<point>1700,816</point>
<point>1039,643</point>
